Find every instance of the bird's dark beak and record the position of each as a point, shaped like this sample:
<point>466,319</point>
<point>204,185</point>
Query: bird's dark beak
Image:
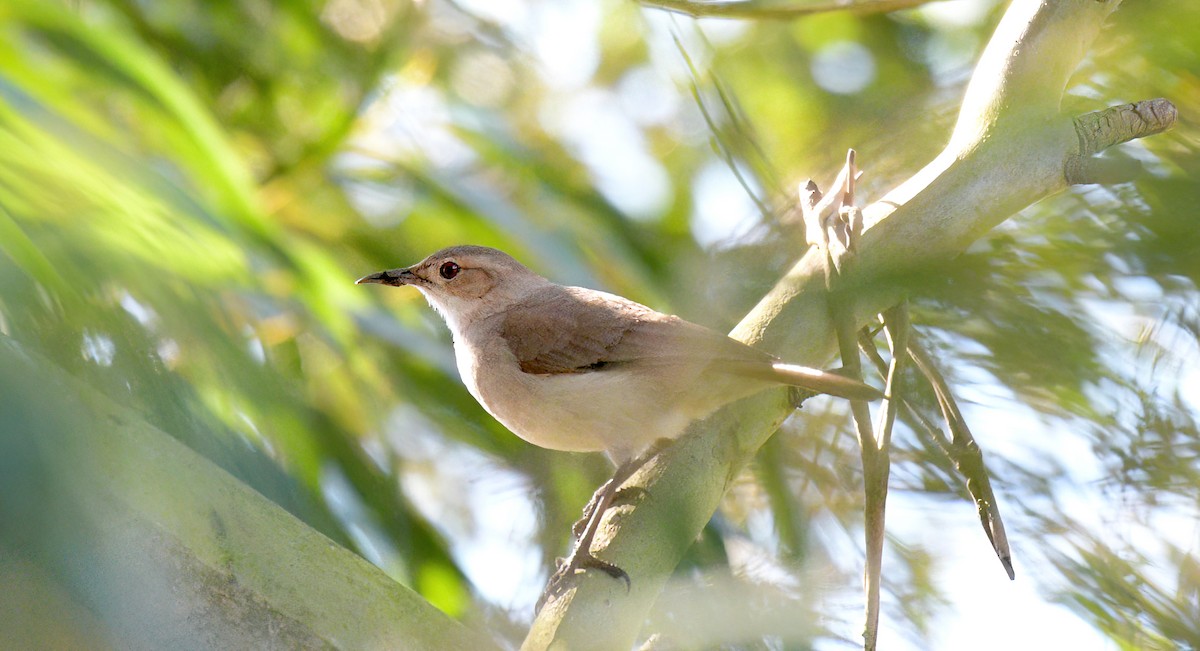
<point>393,277</point>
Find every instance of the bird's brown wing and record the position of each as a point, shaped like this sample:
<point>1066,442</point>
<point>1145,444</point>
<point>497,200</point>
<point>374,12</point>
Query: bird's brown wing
<point>572,330</point>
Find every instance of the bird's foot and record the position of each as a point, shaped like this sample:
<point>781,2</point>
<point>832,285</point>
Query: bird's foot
<point>584,531</point>
<point>578,562</point>
<point>591,562</point>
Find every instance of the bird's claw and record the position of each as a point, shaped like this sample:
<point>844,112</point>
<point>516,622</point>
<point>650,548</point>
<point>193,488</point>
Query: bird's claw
<point>568,567</point>
<point>591,562</point>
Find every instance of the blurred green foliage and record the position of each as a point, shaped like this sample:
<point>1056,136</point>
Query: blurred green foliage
<point>188,190</point>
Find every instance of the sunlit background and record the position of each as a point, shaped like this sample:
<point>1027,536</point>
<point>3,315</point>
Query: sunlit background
<point>188,190</point>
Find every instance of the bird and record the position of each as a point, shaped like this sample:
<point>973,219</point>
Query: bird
<point>582,370</point>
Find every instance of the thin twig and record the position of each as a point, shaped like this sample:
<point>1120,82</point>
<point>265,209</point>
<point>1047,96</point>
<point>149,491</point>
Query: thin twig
<point>968,464</point>
<point>723,148</point>
<point>898,327</point>
<point>877,464</point>
<point>967,457</point>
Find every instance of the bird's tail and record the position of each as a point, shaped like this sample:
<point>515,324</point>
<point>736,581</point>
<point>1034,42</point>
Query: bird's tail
<point>819,381</point>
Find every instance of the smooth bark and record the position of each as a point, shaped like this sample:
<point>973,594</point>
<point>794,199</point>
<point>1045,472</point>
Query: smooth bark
<point>152,546</point>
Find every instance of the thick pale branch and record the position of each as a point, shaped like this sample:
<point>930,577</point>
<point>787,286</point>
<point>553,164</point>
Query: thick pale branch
<point>1025,84</point>
<point>1009,149</point>
<point>169,551</point>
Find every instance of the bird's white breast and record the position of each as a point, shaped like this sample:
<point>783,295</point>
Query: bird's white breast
<point>599,411</point>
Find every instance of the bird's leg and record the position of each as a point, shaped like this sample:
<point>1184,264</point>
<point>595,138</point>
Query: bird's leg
<point>585,529</point>
<point>581,556</point>
<point>621,494</point>
<point>589,510</point>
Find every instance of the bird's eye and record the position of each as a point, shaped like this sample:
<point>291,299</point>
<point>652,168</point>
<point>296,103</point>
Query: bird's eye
<point>449,270</point>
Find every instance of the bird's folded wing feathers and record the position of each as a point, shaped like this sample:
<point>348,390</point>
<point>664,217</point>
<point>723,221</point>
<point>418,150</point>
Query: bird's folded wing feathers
<point>569,330</point>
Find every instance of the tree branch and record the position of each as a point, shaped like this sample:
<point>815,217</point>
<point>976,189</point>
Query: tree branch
<point>170,551</point>
<point>1010,148</point>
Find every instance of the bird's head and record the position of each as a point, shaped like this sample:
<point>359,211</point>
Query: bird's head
<point>464,282</point>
